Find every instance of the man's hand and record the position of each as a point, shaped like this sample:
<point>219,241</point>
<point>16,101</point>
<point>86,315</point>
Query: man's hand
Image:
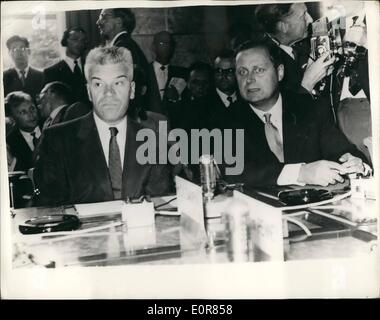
<point>321,172</point>
<point>317,70</point>
<point>351,164</point>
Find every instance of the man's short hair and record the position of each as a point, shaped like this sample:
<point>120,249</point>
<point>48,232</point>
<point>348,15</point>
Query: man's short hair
<point>66,34</point>
<point>108,55</point>
<point>14,99</point>
<point>127,16</point>
<point>201,66</point>
<point>269,14</point>
<point>273,50</point>
<point>225,54</point>
<point>17,39</point>
<point>61,90</point>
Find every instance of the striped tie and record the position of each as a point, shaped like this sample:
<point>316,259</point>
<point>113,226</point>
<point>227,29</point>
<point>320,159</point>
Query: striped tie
<point>273,138</point>
<point>114,164</point>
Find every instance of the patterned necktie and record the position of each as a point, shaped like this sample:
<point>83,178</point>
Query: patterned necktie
<point>35,139</point>
<point>162,81</point>
<point>77,71</point>
<point>273,138</point>
<point>230,100</point>
<point>22,72</point>
<point>114,164</point>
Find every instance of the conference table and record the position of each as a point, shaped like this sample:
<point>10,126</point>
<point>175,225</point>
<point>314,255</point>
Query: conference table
<point>346,227</point>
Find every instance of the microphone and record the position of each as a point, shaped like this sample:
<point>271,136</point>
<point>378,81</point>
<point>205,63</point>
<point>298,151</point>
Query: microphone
<point>208,172</point>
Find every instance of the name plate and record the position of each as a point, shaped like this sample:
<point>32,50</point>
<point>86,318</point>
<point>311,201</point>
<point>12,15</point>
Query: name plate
<point>190,207</point>
<point>267,229</point>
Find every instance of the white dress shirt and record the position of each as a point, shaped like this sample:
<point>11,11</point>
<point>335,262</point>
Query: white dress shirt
<point>161,76</point>
<point>71,64</point>
<point>26,72</point>
<point>290,172</point>
<point>105,136</point>
<point>29,138</point>
<point>224,97</point>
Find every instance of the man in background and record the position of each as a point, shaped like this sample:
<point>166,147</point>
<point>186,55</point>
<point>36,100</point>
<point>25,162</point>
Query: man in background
<point>165,81</point>
<point>225,94</point>
<point>21,77</point>
<point>116,27</point>
<point>23,138</point>
<point>70,69</point>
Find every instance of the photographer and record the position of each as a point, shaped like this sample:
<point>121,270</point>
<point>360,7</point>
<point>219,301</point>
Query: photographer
<point>351,88</point>
<point>287,25</point>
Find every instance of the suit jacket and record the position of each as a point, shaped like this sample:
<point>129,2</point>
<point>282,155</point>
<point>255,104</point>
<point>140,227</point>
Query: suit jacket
<point>62,72</point>
<point>308,135</point>
<point>34,82</point>
<point>154,101</point>
<point>72,167</point>
<point>19,148</point>
<point>221,116</point>
<point>138,56</point>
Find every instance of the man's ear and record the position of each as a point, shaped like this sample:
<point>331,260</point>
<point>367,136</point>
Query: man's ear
<point>281,27</point>
<point>89,92</point>
<point>132,91</point>
<point>280,72</point>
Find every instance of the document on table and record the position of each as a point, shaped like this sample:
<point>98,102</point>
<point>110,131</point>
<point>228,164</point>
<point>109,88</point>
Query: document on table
<point>99,208</point>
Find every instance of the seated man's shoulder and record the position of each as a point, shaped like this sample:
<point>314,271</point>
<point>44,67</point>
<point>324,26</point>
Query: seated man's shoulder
<point>70,127</point>
<point>152,121</point>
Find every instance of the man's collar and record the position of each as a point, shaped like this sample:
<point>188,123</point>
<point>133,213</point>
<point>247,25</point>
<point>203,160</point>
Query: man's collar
<point>112,42</point>
<point>54,113</point>
<point>105,126</point>
<point>26,70</point>
<point>276,108</point>
<point>224,96</point>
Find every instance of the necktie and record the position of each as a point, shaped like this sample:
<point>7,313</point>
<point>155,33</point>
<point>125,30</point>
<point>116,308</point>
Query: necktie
<point>77,71</point>
<point>162,81</point>
<point>114,164</point>
<point>35,139</point>
<point>230,100</point>
<point>47,123</point>
<point>273,138</point>
<point>22,72</point>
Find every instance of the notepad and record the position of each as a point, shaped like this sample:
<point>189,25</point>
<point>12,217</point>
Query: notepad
<point>85,210</point>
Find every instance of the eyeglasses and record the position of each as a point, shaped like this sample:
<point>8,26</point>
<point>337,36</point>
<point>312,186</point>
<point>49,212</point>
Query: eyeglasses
<point>227,72</point>
<point>20,50</point>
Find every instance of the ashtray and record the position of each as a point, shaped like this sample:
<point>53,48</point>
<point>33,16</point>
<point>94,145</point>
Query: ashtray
<point>50,223</point>
<point>304,196</point>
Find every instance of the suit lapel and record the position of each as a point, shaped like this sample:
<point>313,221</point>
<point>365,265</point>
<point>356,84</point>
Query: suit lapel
<point>291,132</point>
<point>133,172</point>
<point>92,156</point>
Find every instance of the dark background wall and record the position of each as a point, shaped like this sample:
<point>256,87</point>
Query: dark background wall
<point>200,31</point>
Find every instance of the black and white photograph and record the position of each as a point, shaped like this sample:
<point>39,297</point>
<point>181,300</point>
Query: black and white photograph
<point>189,149</point>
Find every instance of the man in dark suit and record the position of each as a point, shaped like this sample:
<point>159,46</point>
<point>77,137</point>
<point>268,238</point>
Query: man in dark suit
<point>225,95</point>
<point>22,77</point>
<point>24,135</point>
<point>162,76</point>
<point>116,26</point>
<point>93,158</point>
<point>70,69</point>
<point>286,25</point>
<point>287,139</point>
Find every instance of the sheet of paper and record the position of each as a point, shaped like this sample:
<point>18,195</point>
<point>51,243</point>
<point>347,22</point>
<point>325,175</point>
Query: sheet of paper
<point>99,208</point>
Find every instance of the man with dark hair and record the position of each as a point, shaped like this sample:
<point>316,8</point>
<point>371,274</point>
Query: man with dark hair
<point>24,135</point>
<point>192,112</point>
<point>287,26</point>
<point>287,139</point>
<point>93,158</point>
<point>225,94</point>
<point>70,69</point>
<point>116,26</point>
<point>165,81</point>
<point>54,100</point>
<point>22,77</point>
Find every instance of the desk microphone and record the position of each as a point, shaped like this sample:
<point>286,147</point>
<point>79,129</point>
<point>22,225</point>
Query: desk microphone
<point>208,172</point>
